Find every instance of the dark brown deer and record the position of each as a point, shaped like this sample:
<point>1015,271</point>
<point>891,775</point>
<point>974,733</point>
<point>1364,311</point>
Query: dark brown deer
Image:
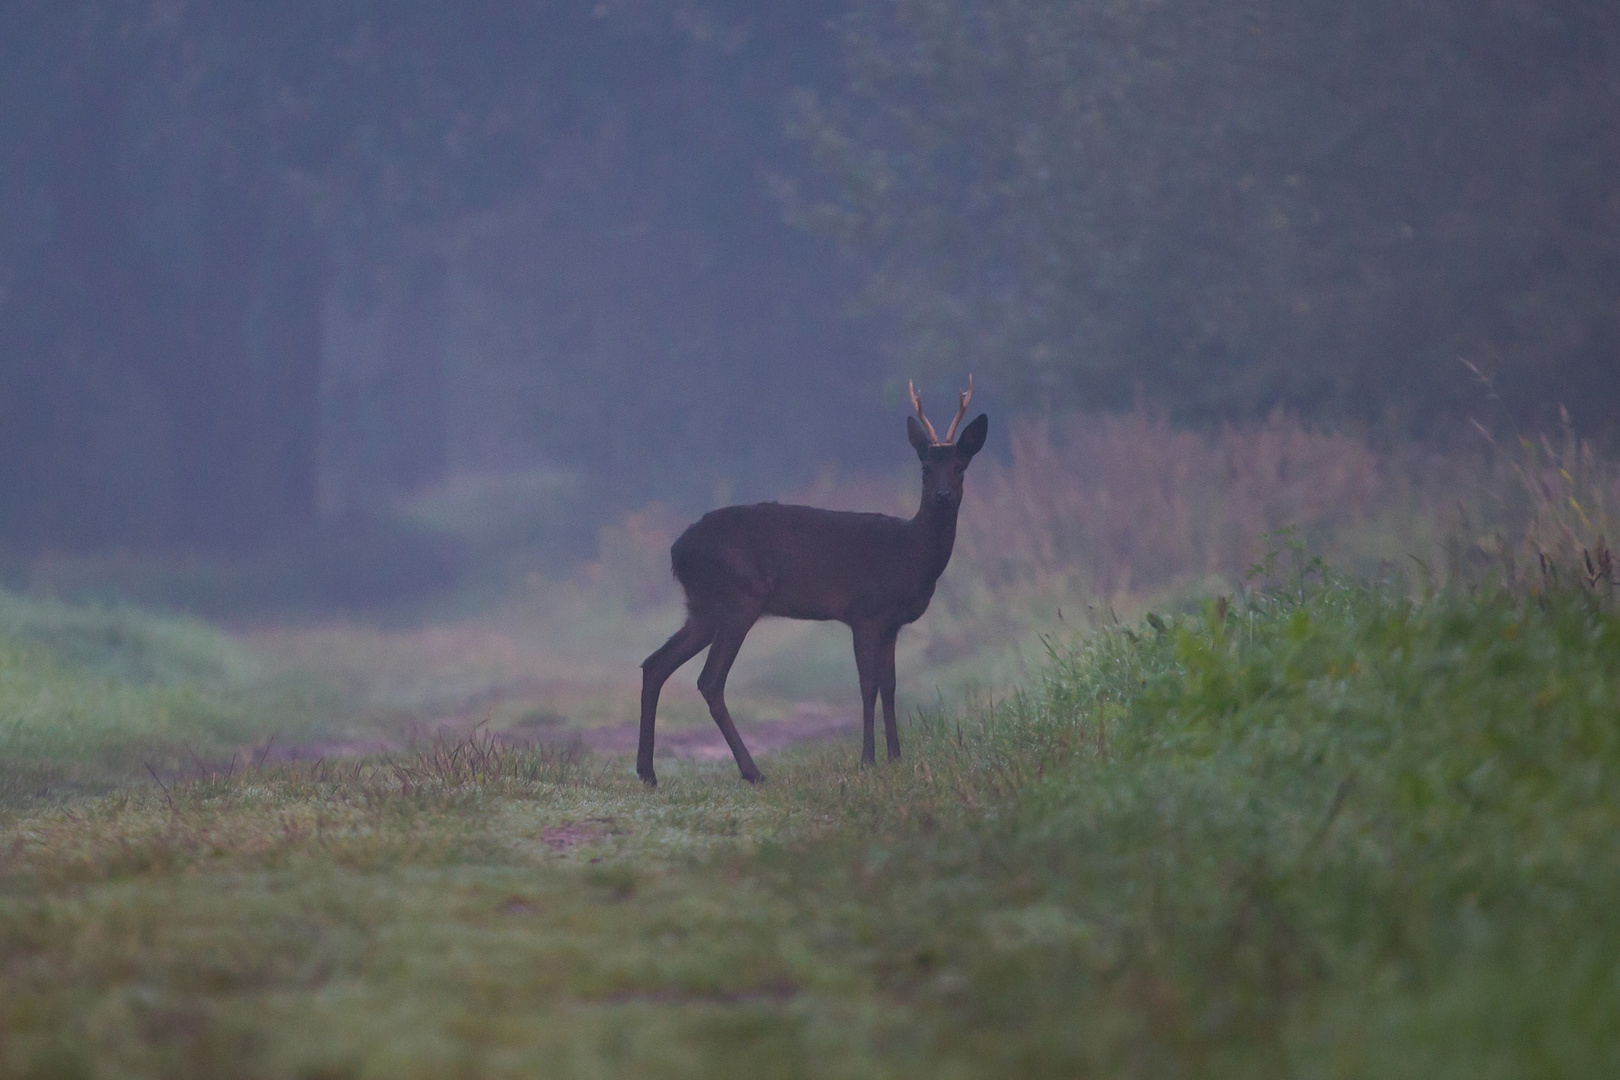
<point>873,572</point>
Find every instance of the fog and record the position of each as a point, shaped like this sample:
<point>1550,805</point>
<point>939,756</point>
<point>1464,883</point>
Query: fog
<point>353,285</point>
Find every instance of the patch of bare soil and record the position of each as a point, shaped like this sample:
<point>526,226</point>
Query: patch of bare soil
<point>571,834</point>
<point>807,723</point>
<point>446,683</point>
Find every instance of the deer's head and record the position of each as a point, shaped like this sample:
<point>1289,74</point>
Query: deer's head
<point>944,461</point>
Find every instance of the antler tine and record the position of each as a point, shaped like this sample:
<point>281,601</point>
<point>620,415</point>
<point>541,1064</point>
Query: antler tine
<point>962,396</point>
<point>916,403</point>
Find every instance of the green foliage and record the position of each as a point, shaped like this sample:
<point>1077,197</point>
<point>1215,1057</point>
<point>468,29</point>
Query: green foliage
<point>93,693</point>
<point>1231,205</point>
<point>1349,834</point>
<point>1328,831</point>
<point>125,644</point>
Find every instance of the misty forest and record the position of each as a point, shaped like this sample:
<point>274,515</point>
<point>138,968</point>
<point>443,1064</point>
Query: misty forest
<point>1258,686</point>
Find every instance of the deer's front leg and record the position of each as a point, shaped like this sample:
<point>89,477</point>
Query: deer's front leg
<point>885,676</point>
<point>728,640</point>
<point>866,662</point>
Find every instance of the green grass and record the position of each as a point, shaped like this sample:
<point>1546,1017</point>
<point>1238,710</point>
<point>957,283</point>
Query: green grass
<point>91,694</point>
<point>1342,834</point>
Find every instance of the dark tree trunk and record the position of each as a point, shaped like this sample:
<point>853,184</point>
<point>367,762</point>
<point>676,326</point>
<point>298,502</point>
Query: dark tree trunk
<point>291,411</point>
<point>415,393</point>
<point>231,346</point>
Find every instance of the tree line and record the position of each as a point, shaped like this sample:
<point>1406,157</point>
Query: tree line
<point>1217,208</point>
<point>1229,206</point>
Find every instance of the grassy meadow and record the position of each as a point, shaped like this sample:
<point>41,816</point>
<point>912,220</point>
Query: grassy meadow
<point>1212,822</point>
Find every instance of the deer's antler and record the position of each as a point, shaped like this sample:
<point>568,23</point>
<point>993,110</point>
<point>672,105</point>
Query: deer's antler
<point>916,403</point>
<point>962,397</point>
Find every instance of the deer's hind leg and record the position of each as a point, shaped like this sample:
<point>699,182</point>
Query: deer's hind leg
<point>684,644</point>
<point>728,639</point>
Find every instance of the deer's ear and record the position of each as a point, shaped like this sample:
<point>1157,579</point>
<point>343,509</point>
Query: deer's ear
<point>971,440</point>
<point>918,437</point>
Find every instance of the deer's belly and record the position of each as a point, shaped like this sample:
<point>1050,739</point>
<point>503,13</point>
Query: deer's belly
<point>833,593</point>
<point>788,609</point>
<point>890,610</point>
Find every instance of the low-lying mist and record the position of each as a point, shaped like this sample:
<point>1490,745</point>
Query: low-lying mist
<point>448,615</point>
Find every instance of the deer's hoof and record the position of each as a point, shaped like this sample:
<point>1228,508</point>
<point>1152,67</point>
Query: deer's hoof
<point>756,779</point>
<point>649,777</point>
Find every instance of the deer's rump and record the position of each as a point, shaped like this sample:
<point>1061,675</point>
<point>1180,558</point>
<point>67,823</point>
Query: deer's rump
<point>801,562</point>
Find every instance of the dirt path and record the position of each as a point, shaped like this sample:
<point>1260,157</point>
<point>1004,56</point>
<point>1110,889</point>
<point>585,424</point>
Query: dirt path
<point>408,688</point>
<point>808,723</point>
<point>440,672</point>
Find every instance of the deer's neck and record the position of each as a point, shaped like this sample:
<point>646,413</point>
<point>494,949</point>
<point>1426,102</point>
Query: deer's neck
<point>934,530</point>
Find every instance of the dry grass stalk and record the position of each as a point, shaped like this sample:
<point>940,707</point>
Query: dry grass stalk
<point>1127,505</point>
<point>1120,511</point>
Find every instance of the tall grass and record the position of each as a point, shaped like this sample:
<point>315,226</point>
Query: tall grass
<point>1550,509</point>
<point>92,693</point>
<point>1095,519</point>
<point>1128,506</point>
<point>1332,831</point>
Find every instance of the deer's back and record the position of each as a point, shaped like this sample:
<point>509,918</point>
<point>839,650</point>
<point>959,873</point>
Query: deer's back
<point>803,562</point>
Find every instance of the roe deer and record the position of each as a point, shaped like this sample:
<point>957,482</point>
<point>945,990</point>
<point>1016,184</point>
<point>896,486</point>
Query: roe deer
<point>873,572</point>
